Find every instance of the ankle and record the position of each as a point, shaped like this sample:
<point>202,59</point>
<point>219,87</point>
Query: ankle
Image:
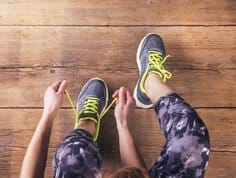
<point>151,80</point>
<point>87,125</point>
<point>155,87</point>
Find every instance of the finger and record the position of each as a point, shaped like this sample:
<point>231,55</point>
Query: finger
<point>62,87</point>
<point>130,99</point>
<point>122,96</point>
<point>116,93</point>
<point>55,85</point>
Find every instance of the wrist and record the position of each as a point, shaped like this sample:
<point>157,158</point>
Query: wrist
<point>48,115</point>
<point>122,125</point>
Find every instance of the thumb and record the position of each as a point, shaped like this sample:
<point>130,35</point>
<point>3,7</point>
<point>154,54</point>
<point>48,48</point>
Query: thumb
<point>55,85</point>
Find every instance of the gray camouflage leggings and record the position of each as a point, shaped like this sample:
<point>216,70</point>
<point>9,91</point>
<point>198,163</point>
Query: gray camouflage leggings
<point>185,153</point>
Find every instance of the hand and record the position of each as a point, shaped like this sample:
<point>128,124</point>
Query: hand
<point>53,98</point>
<point>124,106</point>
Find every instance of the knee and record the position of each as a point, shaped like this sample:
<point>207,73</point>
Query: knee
<point>77,161</point>
<point>77,156</point>
<point>193,150</point>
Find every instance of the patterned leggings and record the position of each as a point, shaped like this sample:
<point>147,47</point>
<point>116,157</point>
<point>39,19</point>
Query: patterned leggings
<point>185,153</point>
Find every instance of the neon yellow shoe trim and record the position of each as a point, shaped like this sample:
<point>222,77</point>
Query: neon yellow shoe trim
<point>155,62</point>
<point>91,105</point>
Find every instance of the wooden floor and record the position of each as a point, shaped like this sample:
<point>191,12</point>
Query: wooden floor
<point>42,41</point>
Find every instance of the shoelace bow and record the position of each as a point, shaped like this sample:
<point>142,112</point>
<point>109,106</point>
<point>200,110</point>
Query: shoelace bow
<point>91,106</point>
<point>156,62</point>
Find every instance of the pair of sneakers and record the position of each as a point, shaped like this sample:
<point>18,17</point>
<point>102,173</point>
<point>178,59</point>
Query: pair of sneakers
<point>93,97</point>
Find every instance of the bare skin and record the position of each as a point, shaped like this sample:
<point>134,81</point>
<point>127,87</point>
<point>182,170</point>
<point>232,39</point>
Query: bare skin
<point>130,156</point>
<point>87,125</point>
<point>36,155</point>
<point>123,114</point>
<point>156,88</point>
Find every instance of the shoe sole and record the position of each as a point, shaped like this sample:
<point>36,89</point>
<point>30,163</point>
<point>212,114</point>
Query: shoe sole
<point>138,103</point>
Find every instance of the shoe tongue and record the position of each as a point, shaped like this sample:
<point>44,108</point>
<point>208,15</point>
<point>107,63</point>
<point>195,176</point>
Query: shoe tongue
<point>157,50</point>
<point>91,96</point>
<point>155,71</point>
<point>91,115</point>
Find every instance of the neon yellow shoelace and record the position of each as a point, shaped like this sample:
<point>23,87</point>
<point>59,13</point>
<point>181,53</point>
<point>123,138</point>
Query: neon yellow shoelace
<point>156,63</point>
<point>90,106</point>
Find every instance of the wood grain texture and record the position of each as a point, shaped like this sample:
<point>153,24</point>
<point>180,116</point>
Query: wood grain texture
<point>122,12</point>
<point>33,57</point>
<point>219,121</point>
<point>197,48</point>
<point>17,131</point>
<point>203,88</point>
<point>42,41</point>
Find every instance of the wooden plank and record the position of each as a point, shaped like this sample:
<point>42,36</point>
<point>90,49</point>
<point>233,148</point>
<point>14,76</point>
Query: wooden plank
<point>220,165</point>
<point>45,54</point>
<point>219,121</point>
<point>153,12</point>
<point>17,127</point>
<point>25,87</point>
<point>191,47</point>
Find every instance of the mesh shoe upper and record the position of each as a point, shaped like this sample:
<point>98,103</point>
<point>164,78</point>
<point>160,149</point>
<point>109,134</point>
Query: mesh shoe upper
<point>93,96</point>
<point>150,55</point>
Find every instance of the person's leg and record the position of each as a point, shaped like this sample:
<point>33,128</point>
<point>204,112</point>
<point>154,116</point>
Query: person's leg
<point>87,125</point>
<point>186,150</point>
<point>156,88</point>
<point>78,155</point>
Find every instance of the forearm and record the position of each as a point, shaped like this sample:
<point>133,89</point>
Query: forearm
<point>36,154</point>
<point>130,156</point>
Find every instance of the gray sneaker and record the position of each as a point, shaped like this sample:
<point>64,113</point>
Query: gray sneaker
<point>92,101</point>
<point>150,59</point>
